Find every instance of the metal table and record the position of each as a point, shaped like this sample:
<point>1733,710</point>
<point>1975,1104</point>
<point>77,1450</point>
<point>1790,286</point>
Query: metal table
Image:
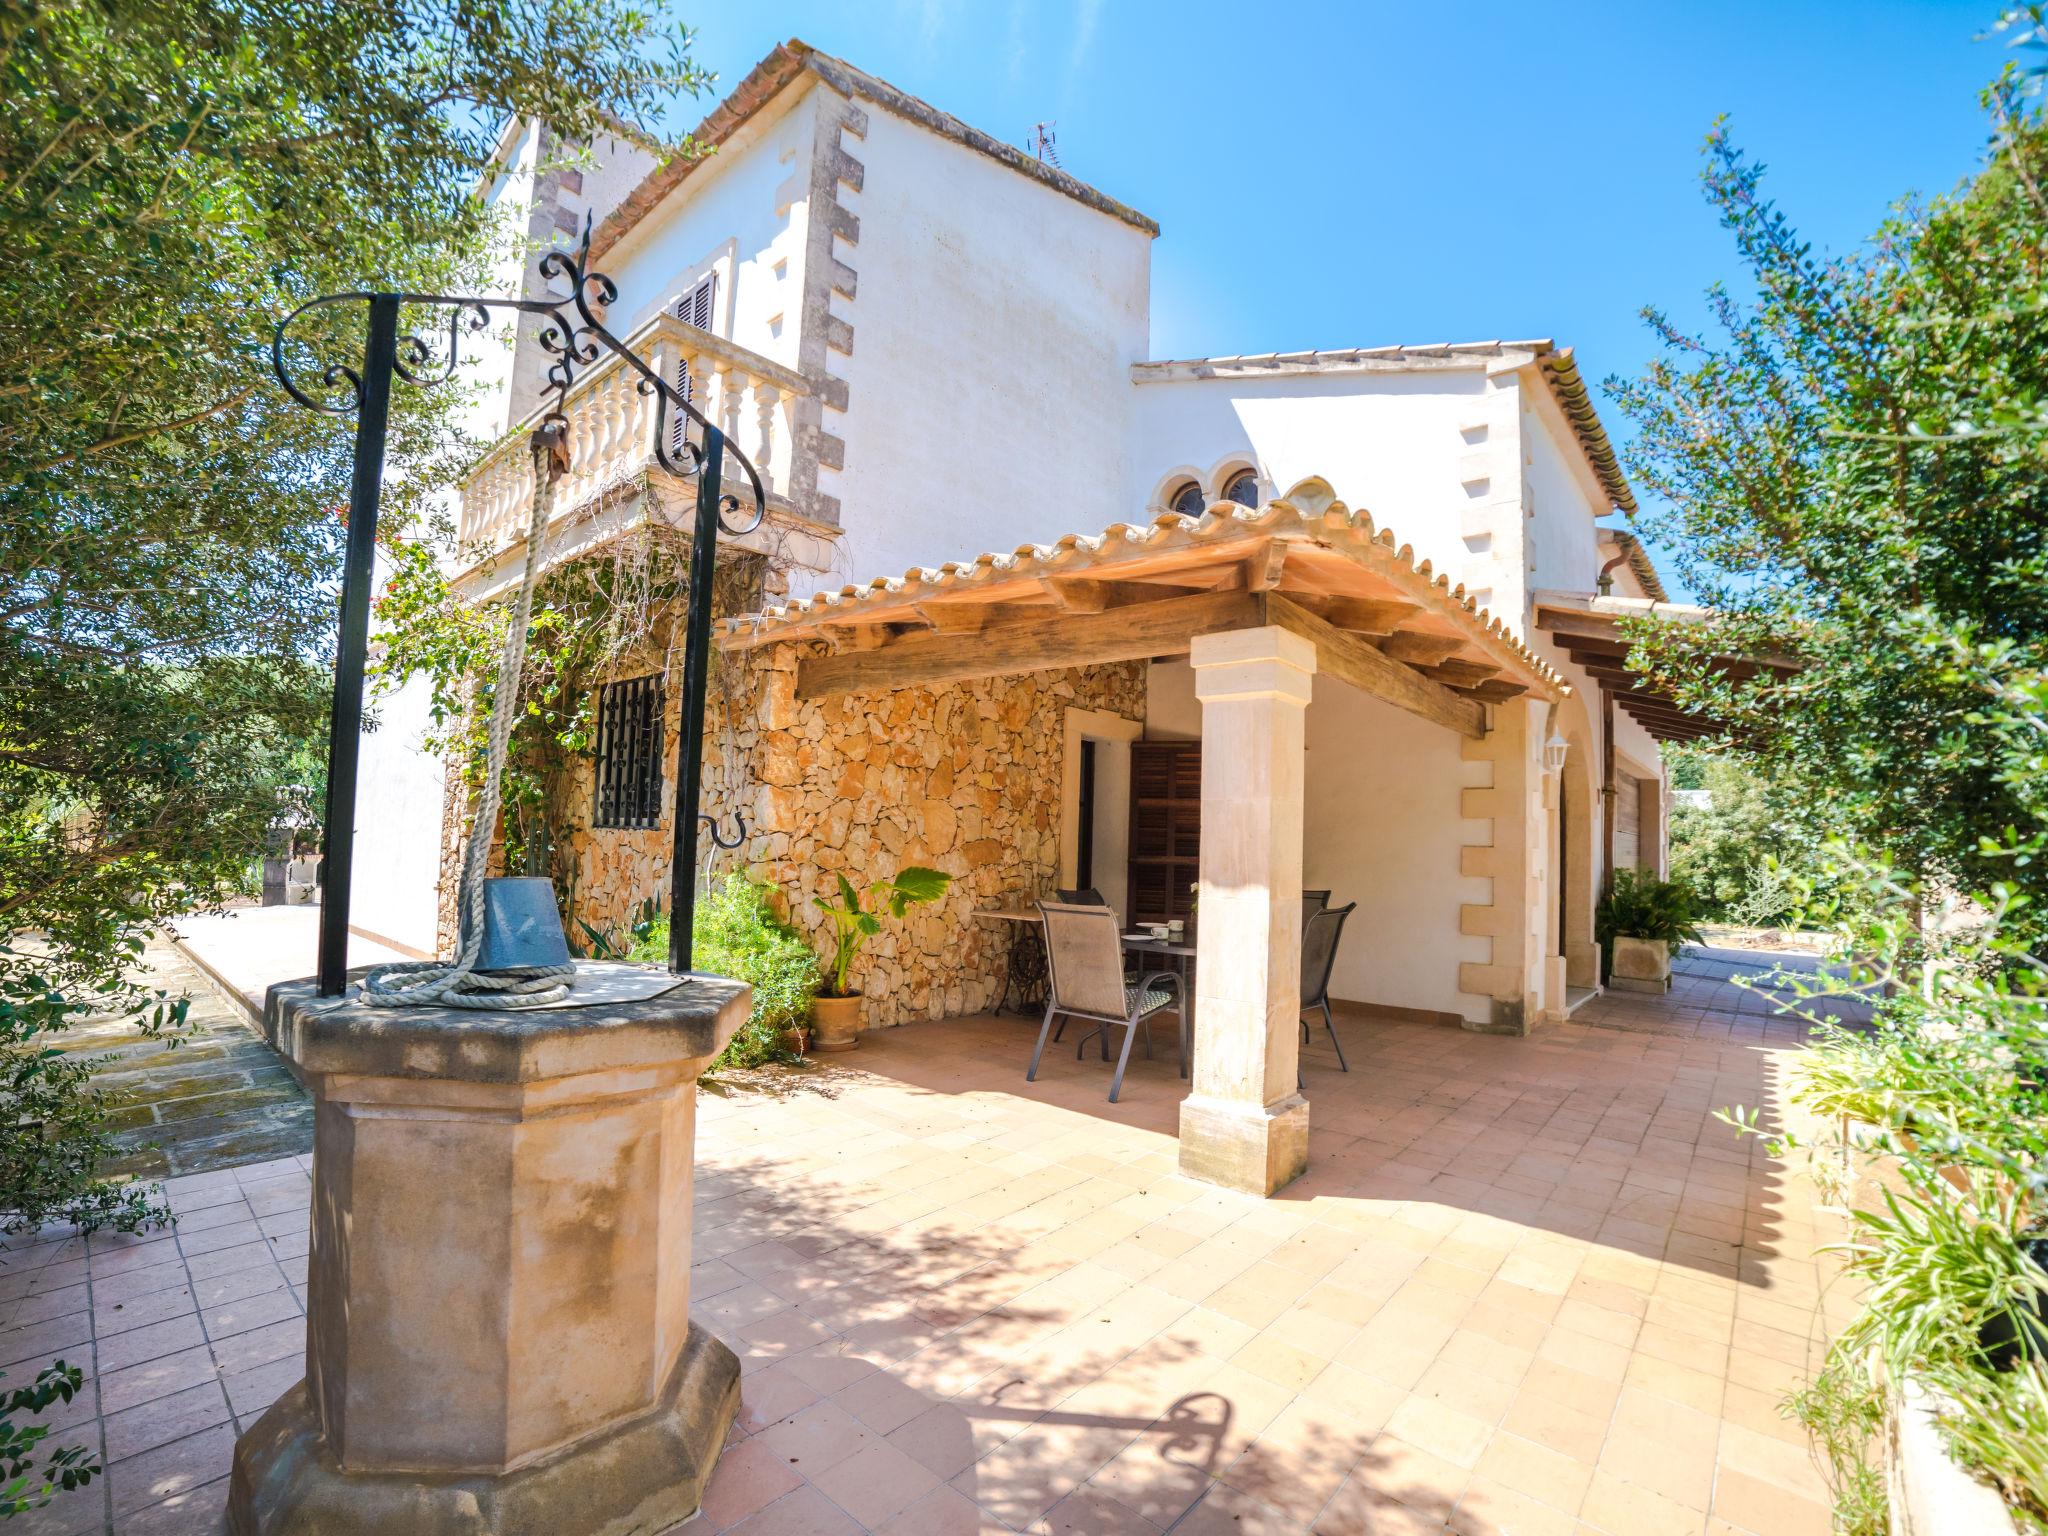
<point>1024,970</point>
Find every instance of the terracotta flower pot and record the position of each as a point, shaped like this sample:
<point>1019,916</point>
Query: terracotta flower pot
<point>835,1022</point>
<point>796,1041</point>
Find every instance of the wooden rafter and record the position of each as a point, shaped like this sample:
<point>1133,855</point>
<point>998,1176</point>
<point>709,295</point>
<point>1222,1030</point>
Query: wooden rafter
<point>1140,630</point>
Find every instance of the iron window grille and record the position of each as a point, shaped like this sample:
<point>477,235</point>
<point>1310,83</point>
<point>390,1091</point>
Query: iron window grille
<point>629,753</point>
<point>1242,488</point>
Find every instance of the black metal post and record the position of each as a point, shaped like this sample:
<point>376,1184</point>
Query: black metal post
<point>696,678</point>
<point>345,720</point>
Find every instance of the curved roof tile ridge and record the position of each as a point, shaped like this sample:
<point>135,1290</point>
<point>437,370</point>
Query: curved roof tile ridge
<point>1309,504</point>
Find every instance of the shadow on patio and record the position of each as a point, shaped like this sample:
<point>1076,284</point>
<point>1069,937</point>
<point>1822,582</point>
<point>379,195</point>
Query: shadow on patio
<point>1526,1285</point>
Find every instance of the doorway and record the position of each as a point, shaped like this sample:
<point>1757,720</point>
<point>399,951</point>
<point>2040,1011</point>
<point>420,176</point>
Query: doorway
<point>1095,797</point>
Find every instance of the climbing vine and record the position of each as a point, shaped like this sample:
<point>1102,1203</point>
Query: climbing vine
<point>611,613</point>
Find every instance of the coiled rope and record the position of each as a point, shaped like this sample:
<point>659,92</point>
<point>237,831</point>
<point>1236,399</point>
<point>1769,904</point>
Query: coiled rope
<point>458,984</point>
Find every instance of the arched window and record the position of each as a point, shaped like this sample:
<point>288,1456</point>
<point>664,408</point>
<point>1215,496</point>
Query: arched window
<point>1242,488</point>
<point>1187,499</point>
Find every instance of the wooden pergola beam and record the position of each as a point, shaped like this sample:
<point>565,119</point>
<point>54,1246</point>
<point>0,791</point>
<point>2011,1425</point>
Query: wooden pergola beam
<point>1423,650</point>
<point>1030,645</point>
<point>1350,660</point>
<point>1363,615</point>
<point>1141,630</point>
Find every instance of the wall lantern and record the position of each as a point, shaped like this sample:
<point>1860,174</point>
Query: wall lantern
<point>1554,751</point>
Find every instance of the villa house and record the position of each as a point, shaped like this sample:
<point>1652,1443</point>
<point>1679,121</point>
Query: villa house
<point>1337,619</point>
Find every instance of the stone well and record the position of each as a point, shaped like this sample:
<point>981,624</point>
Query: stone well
<point>498,1332</point>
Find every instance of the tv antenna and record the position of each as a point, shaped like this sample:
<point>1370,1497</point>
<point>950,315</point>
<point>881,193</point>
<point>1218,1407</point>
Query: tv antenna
<point>1044,145</point>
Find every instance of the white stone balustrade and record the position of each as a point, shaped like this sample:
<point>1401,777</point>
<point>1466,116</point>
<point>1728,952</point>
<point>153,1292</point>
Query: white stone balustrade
<point>612,428</point>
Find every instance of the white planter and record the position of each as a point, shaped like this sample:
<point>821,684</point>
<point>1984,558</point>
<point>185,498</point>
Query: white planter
<point>1640,965</point>
<point>1930,1495</point>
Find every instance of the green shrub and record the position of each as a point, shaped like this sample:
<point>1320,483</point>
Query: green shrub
<point>738,934</point>
<point>1952,1079</point>
<point>1640,906</point>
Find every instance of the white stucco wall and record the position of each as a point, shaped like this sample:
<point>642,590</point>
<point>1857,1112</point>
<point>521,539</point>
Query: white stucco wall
<point>1381,827</point>
<point>1389,443</point>
<point>1566,498</point>
<point>994,328</point>
<point>398,823</point>
<point>740,214</point>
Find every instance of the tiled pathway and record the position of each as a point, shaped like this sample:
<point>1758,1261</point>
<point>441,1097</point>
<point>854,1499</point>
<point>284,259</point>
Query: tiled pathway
<point>1527,1286</point>
<point>219,1097</point>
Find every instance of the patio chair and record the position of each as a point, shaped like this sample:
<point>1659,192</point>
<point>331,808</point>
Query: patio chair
<point>1320,932</point>
<point>1085,980</point>
<point>1313,902</point>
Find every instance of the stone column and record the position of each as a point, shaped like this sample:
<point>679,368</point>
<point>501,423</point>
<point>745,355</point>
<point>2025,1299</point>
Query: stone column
<point>1245,1126</point>
<point>498,1331</point>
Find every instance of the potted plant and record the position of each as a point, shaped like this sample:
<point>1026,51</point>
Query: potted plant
<point>1639,920</point>
<point>836,1014</point>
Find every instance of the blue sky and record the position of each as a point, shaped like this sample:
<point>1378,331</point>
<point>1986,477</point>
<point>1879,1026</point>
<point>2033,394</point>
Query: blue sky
<point>1357,175</point>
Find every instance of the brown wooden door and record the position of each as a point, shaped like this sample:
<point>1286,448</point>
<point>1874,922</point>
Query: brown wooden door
<point>1165,829</point>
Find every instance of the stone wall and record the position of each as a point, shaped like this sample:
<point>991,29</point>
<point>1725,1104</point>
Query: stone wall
<point>966,778</point>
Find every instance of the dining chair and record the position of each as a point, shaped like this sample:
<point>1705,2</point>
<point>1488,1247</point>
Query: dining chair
<point>1320,932</point>
<point>1086,896</point>
<point>1085,980</point>
<point>1313,902</point>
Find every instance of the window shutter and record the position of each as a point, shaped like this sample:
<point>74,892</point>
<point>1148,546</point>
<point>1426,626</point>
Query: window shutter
<point>693,308</point>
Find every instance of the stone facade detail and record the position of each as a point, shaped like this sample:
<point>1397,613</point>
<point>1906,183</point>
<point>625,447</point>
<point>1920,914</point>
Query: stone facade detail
<point>831,232</point>
<point>966,778</point>
<point>1500,825</point>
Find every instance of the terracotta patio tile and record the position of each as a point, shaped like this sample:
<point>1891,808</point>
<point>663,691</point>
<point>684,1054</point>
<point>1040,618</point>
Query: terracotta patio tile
<point>165,1470</point>
<point>816,1438</point>
<point>875,1482</point>
<point>1409,1475</point>
<point>1567,1431</point>
<point>1761,1412</point>
<point>1227,1511</point>
<point>1624,1509</point>
<point>1026,1475</point>
<point>1300,1459</point>
<point>1091,1511</point>
<point>1482,1394</point>
<point>1662,1446</point>
<point>1588,1356</point>
<point>1259,1294</point>
<point>945,1440</point>
<point>251,1392</point>
<point>881,1402</point>
<point>1549,1476</point>
<point>260,1346</point>
<point>1440,1429</point>
<point>1492,1509</point>
<point>1279,1362</point>
<point>112,1317</point>
<point>1752,1504</point>
<point>151,1424</point>
<point>1365,1398</point>
<point>748,1477</point>
<point>1156,1477</point>
<point>1358,1508</point>
<point>155,1378</point>
<point>197,1511</point>
<point>772,1395</point>
<point>945,1512</point>
<point>1700,1390</point>
<point>1769,1459</point>
<point>803,1512</point>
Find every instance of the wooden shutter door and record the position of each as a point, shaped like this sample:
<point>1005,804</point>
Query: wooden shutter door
<point>1165,829</point>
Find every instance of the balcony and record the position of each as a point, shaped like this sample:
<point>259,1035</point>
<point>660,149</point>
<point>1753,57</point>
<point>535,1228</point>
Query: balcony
<point>611,430</point>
